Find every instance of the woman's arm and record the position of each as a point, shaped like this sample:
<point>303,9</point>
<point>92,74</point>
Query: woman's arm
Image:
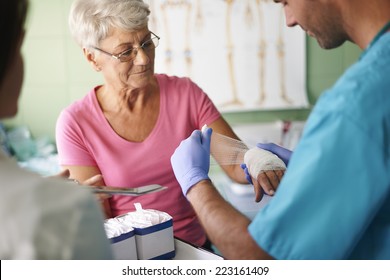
<point>234,171</point>
<point>88,175</point>
<point>267,181</point>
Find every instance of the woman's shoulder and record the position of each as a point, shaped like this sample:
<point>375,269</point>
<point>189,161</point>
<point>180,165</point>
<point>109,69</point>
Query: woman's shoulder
<point>82,106</point>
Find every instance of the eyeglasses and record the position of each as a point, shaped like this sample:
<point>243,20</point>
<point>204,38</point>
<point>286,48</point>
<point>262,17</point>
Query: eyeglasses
<point>130,54</point>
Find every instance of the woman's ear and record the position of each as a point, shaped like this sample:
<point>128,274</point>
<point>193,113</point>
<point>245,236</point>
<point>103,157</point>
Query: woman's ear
<point>90,56</point>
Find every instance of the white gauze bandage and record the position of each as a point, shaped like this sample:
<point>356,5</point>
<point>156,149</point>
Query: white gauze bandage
<point>258,160</point>
<point>226,150</point>
<point>229,151</point>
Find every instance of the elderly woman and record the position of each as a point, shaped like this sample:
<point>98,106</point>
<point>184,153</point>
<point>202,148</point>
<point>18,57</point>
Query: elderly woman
<point>128,128</point>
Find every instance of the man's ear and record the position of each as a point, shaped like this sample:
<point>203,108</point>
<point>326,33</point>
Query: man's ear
<point>90,56</point>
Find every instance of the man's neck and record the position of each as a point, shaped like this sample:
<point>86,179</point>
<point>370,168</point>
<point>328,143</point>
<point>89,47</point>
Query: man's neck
<point>364,19</point>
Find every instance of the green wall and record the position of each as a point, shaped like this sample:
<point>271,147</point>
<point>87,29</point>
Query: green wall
<point>56,72</point>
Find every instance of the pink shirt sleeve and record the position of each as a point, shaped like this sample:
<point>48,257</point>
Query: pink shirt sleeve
<point>70,137</point>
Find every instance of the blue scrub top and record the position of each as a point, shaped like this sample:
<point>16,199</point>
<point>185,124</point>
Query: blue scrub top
<point>334,200</point>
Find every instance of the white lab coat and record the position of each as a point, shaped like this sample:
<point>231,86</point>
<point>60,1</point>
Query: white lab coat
<point>42,218</point>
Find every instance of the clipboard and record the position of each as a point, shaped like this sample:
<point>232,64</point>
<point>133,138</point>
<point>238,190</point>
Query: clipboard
<point>130,191</point>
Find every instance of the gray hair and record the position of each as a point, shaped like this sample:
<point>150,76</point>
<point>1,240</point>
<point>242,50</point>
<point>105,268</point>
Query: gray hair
<point>90,21</point>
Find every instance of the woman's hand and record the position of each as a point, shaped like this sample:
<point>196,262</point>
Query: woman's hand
<point>266,182</point>
<point>95,182</point>
<point>103,198</point>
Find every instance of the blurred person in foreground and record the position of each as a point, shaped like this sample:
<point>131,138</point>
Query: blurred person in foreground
<point>40,218</point>
<point>334,199</point>
<point>127,128</point>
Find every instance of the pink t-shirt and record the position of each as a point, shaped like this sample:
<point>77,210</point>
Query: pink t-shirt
<point>85,138</point>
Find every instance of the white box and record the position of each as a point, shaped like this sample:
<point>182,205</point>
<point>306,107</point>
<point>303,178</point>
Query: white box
<point>155,242</point>
<point>124,246</point>
<point>153,231</point>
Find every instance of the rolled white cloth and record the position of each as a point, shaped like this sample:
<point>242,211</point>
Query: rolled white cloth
<point>258,160</point>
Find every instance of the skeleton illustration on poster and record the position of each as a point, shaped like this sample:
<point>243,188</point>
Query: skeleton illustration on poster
<point>240,52</point>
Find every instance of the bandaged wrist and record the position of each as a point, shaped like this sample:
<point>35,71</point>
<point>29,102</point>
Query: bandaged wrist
<point>258,160</point>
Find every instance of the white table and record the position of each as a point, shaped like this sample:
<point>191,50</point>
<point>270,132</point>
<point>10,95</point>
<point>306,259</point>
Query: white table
<point>186,251</point>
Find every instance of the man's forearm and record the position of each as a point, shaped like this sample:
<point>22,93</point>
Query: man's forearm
<point>225,226</point>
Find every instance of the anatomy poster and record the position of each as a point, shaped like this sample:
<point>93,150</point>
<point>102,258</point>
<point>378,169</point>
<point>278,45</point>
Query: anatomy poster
<point>240,52</point>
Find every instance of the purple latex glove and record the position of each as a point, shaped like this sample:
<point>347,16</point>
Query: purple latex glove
<point>191,160</point>
<point>247,175</point>
<point>281,152</point>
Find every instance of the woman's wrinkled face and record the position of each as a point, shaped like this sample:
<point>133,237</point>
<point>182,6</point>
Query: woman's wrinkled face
<point>137,72</point>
